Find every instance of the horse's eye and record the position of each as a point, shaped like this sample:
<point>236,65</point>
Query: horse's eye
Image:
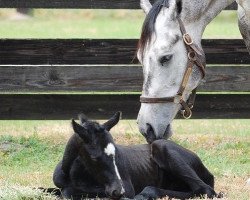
<point>165,59</point>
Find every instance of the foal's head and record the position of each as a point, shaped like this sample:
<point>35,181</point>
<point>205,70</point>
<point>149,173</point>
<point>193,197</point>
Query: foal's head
<point>164,57</point>
<point>98,152</point>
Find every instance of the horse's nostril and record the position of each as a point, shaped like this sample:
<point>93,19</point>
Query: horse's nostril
<point>168,132</point>
<point>150,134</point>
<point>150,129</point>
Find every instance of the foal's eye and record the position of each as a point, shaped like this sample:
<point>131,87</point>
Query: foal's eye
<point>165,59</point>
<point>93,158</point>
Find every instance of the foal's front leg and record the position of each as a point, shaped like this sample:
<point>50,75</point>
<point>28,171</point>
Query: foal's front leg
<point>150,193</point>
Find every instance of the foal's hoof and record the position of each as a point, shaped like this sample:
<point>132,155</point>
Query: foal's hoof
<point>206,191</point>
<point>137,197</point>
<point>220,195</point>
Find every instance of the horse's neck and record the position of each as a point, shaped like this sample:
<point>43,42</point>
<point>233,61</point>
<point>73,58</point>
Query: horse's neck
<point>198,14</point>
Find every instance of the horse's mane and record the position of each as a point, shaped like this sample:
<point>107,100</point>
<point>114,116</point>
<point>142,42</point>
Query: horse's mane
<point>148,26</point>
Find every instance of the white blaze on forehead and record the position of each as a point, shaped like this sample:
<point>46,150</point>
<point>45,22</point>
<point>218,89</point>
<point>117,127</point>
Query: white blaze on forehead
<point>110,151</point>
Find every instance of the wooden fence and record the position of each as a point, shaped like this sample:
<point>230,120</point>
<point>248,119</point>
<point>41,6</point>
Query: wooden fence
<point>45,78</point>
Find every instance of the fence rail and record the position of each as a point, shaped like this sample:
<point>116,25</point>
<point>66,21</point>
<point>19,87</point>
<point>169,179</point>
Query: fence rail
<point>49,106</point>
<point>104,51</point>
<point>33,66</point>
<point>89,4</point>
<point>35,78</point>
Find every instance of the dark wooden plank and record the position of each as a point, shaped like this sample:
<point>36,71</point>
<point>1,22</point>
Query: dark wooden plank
<point>226,78</point>
<point>70,78</point>
<point>93,4</point>
<point>104,51</point>
<point>108,78</point>
<point>226,52</point>
<point>67,51</point>
<point>233,6</point>
<point>30,107</point>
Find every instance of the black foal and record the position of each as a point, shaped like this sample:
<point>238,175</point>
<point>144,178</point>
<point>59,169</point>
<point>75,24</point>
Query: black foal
<point>94,166</point>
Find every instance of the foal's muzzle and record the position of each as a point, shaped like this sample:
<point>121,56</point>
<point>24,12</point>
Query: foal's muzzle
<point>115,190</point>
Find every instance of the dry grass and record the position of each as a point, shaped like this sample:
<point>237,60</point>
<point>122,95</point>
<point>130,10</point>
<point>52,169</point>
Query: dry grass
<point>59,131</point>
<point>23,193</point>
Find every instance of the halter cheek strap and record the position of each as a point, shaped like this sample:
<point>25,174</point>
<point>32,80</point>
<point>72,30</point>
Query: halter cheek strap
<point>195,57</point>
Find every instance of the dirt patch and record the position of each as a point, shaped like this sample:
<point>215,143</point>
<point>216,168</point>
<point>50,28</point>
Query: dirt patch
<point>8,147</point>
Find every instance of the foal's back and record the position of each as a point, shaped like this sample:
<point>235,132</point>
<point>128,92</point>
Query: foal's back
<point>151,165</point>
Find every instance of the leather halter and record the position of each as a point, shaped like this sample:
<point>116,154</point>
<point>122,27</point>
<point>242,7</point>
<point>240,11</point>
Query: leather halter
<point>195,57</point>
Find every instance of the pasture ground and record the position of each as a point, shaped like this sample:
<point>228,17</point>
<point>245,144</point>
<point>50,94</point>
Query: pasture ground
<point>30,150</point>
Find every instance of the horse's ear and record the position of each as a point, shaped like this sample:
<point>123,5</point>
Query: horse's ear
<point>179,6</point>
<point>112,121</point>
<point>145,6</point>
<point>83,118</point>
<point>175,7</point>
<point>78,129</point>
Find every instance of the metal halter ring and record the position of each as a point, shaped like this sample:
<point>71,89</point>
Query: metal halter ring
<point>187,39</point>
<point>186,115</point>
<point>192,55</point>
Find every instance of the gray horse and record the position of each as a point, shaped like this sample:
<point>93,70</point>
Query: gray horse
<point>170,41</point>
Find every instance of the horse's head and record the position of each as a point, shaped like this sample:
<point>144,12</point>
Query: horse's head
<point>98,153</point>
<point>163,53</point>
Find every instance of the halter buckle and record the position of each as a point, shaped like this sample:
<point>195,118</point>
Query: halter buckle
<point>192,56</point>
<point>186,115</point>
<point>187,39</point>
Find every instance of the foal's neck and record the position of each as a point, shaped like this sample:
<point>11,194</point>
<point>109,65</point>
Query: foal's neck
<point>197,14</point>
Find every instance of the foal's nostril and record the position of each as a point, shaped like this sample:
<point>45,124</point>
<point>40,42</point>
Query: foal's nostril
<point>116,193</point>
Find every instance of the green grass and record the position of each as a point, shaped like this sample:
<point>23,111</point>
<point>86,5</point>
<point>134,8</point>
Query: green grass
<point>29,156</point>
<point>97,24</point>
<point>223,145</point>
<point>223,26</point>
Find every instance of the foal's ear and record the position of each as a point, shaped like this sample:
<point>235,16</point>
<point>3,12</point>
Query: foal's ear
<point>112,121</point>
<point>83,118</point>
<point>78,129</point>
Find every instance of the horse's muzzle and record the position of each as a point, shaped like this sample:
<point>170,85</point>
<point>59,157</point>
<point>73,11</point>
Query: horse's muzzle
<point>151,136</point>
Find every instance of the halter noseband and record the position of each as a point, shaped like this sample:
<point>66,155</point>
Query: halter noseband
<point>195,57</point>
